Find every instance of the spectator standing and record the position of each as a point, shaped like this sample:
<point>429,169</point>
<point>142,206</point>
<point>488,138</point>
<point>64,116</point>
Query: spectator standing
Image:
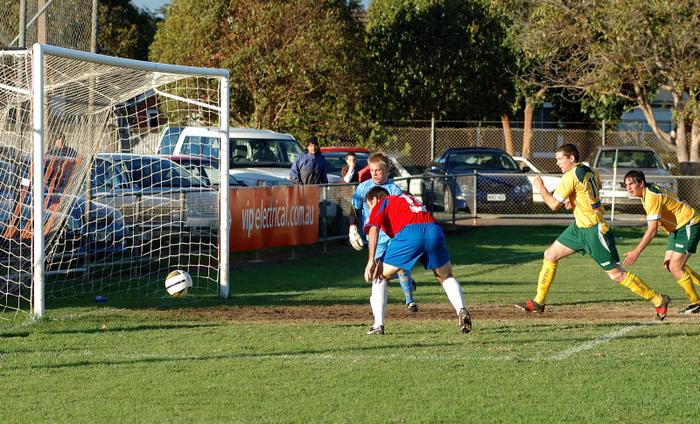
<point>310,167</point>
<point>60,149</point>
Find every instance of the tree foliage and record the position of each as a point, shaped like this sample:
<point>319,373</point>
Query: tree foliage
<point>443,57</point>
<point>613,50</point>
<point>295,66</point>
<point>124,30</point>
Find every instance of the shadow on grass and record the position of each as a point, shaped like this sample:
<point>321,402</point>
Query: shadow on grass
<point>372,350</point>
<point>127,329</point>
<point>302,282</point>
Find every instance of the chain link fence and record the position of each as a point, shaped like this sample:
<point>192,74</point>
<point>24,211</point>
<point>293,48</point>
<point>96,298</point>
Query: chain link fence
<point>63,23</point>
<point>417,142</point>
<point>478,196</point>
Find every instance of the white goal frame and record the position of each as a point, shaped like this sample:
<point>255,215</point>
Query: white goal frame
<point>39,51</point>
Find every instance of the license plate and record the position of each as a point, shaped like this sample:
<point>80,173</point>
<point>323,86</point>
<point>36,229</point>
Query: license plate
<point>496,197</point>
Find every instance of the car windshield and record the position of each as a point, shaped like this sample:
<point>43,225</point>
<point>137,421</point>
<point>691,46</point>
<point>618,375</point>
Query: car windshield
<point>168,140</point>
<point>263,152</point>
<point>465,161</point>
<point>208,171</point>
<point>629,159</point>
<point>335,163</point>
<point>160,173</point>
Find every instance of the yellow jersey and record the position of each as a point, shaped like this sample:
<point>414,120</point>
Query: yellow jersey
<point>663,206</point>
<point>581,186</point>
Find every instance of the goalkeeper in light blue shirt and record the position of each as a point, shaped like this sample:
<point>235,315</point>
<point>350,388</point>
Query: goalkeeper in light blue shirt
<point>379,169</point>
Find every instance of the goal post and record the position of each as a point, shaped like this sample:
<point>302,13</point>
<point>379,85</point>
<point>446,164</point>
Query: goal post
<point>78,205</point>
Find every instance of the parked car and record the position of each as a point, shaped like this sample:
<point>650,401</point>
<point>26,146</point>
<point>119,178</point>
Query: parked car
<point>613,162</point>
<point>155,194</point>
<point>70,229</point>
<point>205,168</point>
<point>335,161</point>
<point>408,177</point>
<point>551,182</point>
<point>256,157</point>
<point>500,183</point>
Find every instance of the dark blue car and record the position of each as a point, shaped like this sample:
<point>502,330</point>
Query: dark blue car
<point>448,182</point>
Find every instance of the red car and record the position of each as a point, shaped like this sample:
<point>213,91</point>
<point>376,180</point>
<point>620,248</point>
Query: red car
<point>344,149</point>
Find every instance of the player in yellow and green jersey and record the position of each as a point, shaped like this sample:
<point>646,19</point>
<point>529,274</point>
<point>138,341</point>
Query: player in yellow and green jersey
<point>588,234</point>
<point>682,224</point>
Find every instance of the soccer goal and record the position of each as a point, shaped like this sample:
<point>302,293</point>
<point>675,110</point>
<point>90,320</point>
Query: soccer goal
<point>86,207</point>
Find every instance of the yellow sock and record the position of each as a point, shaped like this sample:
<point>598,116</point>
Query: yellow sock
<point>637,286</point>
<point>686,284</point>
<point>695,278</point>
<point>547,273</point>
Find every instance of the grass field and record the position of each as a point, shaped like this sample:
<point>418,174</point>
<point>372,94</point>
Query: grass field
<point>289,346</point>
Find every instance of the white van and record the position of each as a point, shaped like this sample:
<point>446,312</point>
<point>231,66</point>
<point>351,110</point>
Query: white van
<point>256,157</point>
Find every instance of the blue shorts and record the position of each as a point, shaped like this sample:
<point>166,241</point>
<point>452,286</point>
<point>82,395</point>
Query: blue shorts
<point>418,241</point>
<point>382,244</point>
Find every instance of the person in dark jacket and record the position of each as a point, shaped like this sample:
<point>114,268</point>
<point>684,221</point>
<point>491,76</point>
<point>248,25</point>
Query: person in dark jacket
<point>310,167</point>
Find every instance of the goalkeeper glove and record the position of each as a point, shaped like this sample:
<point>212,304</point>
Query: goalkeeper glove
<point>355,238</point>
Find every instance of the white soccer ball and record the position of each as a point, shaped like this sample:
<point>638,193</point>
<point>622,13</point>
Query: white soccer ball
<point>178,283</point>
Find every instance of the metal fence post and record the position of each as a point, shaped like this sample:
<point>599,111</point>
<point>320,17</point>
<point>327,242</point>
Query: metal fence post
<point>474,211</point>
<point>602,133</point>
<point>453,199</point>
<point>324,218</point>
<point>478,134</point>
<point>432,138</point>
<point>22,24</point>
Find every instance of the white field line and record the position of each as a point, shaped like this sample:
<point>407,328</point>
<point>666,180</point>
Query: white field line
<point>593,343</point>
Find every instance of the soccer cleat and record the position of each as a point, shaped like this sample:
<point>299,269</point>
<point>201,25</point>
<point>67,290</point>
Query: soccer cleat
<point>693,308</point>
<point>530,306</point>
<point>662,309</point>
<point>465,321</point>
<point>375,330</point>
<point>412,307</point>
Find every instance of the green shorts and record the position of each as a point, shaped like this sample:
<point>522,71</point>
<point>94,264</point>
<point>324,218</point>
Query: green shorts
<point>684,239</point>
<point>601,247</point>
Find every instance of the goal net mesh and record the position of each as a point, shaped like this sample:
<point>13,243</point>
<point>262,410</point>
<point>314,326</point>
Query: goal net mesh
<point>117,218</point>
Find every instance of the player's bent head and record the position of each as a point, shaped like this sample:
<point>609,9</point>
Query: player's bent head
<point>636,176</point>
<point>378,158</point>
<point>569,149</point>
<point>376,193</point>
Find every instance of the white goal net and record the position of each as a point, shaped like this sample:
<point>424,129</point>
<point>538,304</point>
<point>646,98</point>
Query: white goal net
<point>114,220</point>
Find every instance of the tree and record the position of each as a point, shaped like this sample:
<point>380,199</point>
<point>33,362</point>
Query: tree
<point>124,30</point>
<point>609,50</point>
<point>295,66</point>
<point>532,89</point>
<point>436,57</point>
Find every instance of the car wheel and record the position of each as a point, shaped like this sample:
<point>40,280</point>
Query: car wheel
<point>448,202</point>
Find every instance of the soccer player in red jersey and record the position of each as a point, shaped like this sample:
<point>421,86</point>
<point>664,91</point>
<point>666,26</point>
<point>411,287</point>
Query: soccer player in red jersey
<point>414,235</point>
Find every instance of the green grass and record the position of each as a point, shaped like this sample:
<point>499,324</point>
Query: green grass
<point>149,360</point>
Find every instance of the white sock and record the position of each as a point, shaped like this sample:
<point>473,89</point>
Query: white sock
<point>378,299</point>
<point>454,293</point>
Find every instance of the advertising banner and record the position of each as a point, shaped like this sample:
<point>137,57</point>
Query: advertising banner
<point>264,217</point>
